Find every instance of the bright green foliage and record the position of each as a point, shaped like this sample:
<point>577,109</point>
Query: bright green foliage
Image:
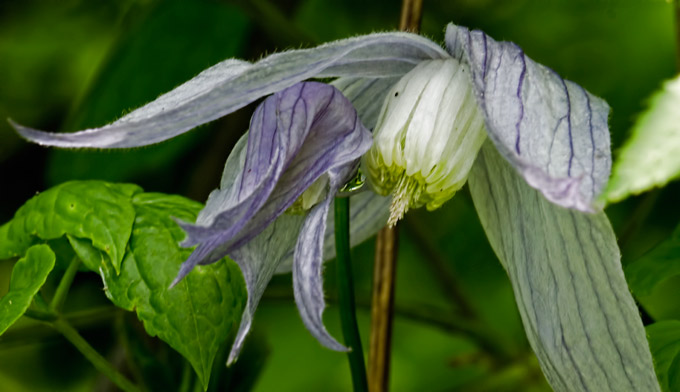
<point>131,239</point>
<point>198,315</point>
<point>28,275</point>
<point>650,157</point>
<point>662,263</point>
<point>664,341</point>
<point>88,211</point>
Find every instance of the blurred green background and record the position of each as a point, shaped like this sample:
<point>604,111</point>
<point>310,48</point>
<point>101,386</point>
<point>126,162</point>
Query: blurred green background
<point>75,64</point>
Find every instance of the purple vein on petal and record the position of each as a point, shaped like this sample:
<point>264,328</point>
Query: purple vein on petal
<point>524,103</point>
<point>308,267</point>
<point>296,136</point>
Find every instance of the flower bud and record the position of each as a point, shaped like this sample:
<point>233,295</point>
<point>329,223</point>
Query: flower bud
<point>428,134</point>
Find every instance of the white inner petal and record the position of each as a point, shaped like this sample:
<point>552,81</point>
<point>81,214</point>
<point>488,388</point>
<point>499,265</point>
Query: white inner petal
<point>428,135</point>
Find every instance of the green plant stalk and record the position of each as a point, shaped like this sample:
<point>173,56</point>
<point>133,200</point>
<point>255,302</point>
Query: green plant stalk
<point>40,315</point>
<point>64,285</point>
<point>346,296</point>
<point>99,362</point>
<point>187,378</point>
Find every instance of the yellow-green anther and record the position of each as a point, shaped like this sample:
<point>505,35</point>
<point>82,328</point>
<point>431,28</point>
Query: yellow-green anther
<point>427,137</point>
<point>310,197</point>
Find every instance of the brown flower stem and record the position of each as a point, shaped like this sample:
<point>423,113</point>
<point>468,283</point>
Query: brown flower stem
<point>382,307</point>
<point>411,12</point>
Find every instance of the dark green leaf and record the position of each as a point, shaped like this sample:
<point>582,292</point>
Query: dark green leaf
<point>242,375</point>
<point>659,264</point>
<point>198,315</point>
<point>28,275</point>
<point>158,50</point>
<point>159,367</point>
<point>664,341</point>
<point>93,212</point>
<point>674,375</point>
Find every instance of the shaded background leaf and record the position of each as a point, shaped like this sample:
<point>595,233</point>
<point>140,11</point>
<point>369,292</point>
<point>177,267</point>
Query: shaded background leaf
<point>660,264</point>
<point>664,341</point>
<point>174,42</point>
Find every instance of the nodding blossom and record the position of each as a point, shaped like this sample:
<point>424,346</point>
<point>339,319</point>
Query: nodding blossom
<point>533,147</point>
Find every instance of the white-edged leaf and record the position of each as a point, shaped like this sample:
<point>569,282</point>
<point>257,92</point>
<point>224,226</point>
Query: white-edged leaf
<point>650,156</point>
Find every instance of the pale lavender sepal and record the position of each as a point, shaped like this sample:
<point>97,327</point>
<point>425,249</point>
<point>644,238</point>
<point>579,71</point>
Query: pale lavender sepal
<point>367,95</point>
<point>368,210</point>
<point>233,84</point>
<point>296,136</point>
<point>368,213</point>
<point>308,268</point>
<point>258,260</point>
<point>565,270</point>
<point>551,130</point>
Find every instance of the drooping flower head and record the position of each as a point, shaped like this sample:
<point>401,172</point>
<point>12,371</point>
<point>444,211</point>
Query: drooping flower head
<point>534,180</point>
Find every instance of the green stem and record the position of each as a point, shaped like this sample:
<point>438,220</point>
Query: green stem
<point>40,315</point>
<point>346,296</point>
<point>64,285</point>
<point>28,334</point>
<point>39,300</point>
<point>99,362</point>
<point>187,378</point>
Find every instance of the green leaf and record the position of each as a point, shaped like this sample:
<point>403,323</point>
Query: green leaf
<point>674,375</point>
<point>664,341</point>
<point>650,156</point>
<point>199,314</point>
<point>659,264</point>
<point>86,211</point>
<point>565,269</point>
<point>28,275</point>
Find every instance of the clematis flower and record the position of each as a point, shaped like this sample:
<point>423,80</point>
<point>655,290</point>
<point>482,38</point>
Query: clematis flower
<point>538,159</point>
